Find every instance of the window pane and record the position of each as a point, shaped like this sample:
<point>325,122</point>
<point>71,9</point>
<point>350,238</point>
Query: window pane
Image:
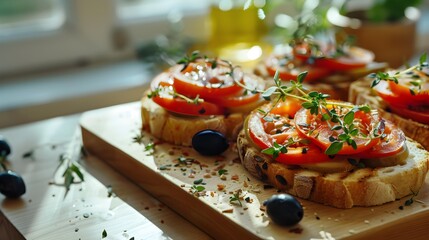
<point>25,17</point>
<point>134,9</point>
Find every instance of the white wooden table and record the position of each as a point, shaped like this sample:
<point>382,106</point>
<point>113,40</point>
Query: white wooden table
<point>86,211</point>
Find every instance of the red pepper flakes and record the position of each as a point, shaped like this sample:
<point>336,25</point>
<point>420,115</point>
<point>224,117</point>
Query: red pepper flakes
<point>234,177</point>
<point>296,230</point>
<point>231,210</point>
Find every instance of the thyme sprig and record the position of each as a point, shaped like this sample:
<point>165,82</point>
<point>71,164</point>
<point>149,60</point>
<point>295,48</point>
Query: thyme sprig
<point>416,84</point>
<point>195,55</point>
<point>174,94</point>
<point>186,60</point>
<point>340,116</point>
<point>71,172</point>
<point>235,198</point>
<point>410,201</point>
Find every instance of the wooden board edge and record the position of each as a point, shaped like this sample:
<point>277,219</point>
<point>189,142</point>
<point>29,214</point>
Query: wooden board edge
<point>210,222</point>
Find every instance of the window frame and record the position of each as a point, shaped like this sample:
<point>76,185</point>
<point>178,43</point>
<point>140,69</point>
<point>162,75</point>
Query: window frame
<point>86,37</point>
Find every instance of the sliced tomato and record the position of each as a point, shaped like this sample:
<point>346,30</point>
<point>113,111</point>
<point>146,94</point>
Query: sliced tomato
<point>290,70</point>
<point>201,79</point>
<point>355,58</point>
<point>383,90</point>
<point>339,64</point>
<point>192,89</point>
<point>319,132</point>
<point>405,105</point>
<point>417,114</point>
<point>235,100</point>
<point>178,105</point>
<point>392,143</point>
<point>287,108</point>
<point>399,94</point>
<point>263,134</point>
<point>403,90</point>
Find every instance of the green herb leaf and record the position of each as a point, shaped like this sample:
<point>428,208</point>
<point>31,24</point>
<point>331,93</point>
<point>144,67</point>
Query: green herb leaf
<point>301,76</point>
<point>423,59</point>
<point>76,170</point>
<point>104,234</point>
<point>334,148</point>
<point>235,198</point>
<point>336,128</point>
<point>198,181</point>
<point>267,94</point>
<point>222,171</point>
<point>198,188</point>
<point>365,108</point>
<point>269,151</point>
<point>348,118</point>
<point>307,105</point>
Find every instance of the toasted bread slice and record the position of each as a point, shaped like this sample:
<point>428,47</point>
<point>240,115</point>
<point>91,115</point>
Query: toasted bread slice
<point>336,85</point>
<point>179,130</point>
<point>359,187</point>
<point>361,93</point>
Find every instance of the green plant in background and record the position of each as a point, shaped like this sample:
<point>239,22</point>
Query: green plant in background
<point>389,10</point>
<point>308,18</point>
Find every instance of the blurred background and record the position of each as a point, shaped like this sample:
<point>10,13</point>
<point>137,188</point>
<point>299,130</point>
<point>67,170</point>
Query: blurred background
<point>60,57</point>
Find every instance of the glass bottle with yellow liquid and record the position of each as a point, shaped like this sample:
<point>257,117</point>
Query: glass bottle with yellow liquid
<point>237,29</point>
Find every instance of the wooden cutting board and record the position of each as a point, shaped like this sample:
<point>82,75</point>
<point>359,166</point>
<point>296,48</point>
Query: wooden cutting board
<point>174,175</point>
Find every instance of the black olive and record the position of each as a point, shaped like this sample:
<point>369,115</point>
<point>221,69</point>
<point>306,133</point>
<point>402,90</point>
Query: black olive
<point>11,184</point>
<point>4,147</point>
<point>284,209</point>
<point>209,142</point>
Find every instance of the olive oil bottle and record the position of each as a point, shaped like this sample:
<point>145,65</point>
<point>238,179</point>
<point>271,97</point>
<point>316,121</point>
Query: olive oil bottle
<point>236,31</point>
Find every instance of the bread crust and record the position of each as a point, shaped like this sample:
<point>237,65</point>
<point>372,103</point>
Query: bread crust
<point>360,187</point>
<point>361,93</point>
<point>179,130</point>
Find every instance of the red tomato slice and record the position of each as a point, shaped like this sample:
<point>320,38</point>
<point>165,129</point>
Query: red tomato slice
<point>402,105</point>
<point>181,106</point>
<point>356,57</point>
<point>235,100</point>
<point>201,79</point>
<point>297,155</point>
<point>402,90</point>
<point>319,132</point>
<point>414,114</point>
<point>287,108</point>
<point>289,71</point>
<point>383,90</point>
<point>339,64</point>
<point>393,143</point>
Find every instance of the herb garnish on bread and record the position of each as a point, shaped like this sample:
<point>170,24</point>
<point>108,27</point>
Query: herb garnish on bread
<point>330,67</point>
<point>402,96</point>
<point>199,93</point>
<point>331,152</point>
